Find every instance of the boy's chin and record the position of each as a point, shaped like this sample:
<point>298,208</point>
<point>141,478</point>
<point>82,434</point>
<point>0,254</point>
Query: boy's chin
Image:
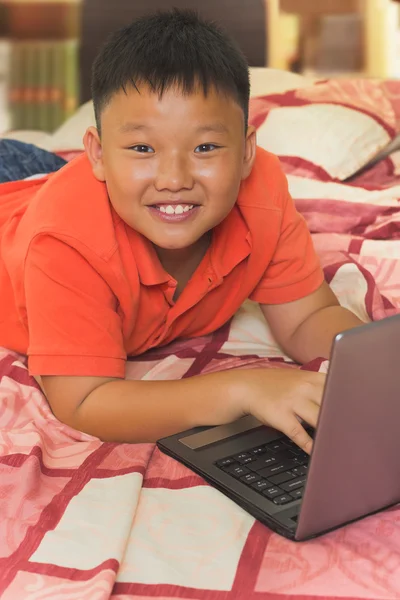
<point>176,245</point>
<point>173,247</point>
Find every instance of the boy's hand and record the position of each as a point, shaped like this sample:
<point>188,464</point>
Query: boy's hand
<point>279,397</point>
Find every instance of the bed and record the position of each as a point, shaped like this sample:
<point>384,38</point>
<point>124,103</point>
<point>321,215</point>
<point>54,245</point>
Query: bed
<point>90,520</point>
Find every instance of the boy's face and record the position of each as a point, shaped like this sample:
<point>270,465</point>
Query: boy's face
<point>172,166</point>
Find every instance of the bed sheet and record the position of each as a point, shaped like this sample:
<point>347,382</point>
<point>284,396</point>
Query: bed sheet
<point>89,520</point>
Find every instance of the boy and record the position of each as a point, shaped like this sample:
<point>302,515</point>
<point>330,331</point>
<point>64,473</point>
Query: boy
<point>163,228</point>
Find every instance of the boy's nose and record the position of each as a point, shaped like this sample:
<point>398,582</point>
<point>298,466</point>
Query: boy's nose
<point>173,174</point>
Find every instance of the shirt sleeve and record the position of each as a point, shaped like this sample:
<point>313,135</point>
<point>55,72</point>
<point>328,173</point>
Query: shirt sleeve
<point>72,318</point>
<point>294,271</point>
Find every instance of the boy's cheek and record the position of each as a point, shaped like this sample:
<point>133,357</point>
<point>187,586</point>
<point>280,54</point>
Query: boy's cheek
<point>128,172</point>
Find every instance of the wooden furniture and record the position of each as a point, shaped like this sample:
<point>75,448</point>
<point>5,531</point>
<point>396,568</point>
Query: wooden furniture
<point>41,19</point>
<point>42,75</point>
<point>244,19</point>
<point>380,23</point>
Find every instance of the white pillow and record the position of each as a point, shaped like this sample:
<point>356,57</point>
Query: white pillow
<point>70,135</point>
<point>330,129</point>
<point>38,138</point>
<point>265,81</point>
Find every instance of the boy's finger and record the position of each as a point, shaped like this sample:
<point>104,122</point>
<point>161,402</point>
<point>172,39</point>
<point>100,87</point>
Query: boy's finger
<point>308,411</point>
<point>296,432</point>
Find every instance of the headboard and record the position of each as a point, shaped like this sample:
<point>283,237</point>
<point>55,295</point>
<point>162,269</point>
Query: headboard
<point>245,20</point>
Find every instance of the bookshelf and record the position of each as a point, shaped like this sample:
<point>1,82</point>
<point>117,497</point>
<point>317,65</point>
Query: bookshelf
<point>41,74</point>
<point>4,75</point>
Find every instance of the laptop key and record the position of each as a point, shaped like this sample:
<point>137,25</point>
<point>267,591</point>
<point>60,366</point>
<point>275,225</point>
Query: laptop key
<point>297,494</point>
<point>258,451</point>
<point>285,454</point>
<point>237,471</point>
<point>299,471</point>
<point>240,455</point>
<point>304,455</point>
<point>277,446</point>
<point>282,477</point>
<point>299,460</point>
<point>275,469</point>
<point>240,458</point>
<point>248,460</point>
<point>289,486</point>
<point>292,446</point>
<point>225,462</point>
<point>250,478</point>
<point>289,442</point>
<point>261,485</point>
<point>295,450</point>
<point>284,499</point>
<point>272,492</point>
<point>263,461</point>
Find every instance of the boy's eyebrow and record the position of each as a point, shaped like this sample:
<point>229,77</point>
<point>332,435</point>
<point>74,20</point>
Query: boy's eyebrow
<point>129,127</point>
<point>211,127</point>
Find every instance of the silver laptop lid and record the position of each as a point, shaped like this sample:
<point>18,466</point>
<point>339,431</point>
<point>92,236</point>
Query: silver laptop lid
<point>355,465</point>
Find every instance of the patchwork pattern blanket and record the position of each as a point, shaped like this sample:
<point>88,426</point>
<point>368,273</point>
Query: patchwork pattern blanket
<point>85,520</point>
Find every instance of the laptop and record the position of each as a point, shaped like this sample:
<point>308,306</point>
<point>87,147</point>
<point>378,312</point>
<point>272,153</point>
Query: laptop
<point>354,468</point>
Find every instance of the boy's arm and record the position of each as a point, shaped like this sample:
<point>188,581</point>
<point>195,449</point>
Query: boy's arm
<point>306,328</point>
<point>144,411</point>
<point>118,410</point>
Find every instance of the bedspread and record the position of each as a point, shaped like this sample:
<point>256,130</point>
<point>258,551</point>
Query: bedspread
<point>85,520</point>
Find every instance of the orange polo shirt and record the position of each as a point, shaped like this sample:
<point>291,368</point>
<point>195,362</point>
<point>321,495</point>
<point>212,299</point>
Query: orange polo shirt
<point>80,290</point>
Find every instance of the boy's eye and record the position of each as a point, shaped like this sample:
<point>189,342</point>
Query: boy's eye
<point>142,148</point>
<point>206,148</point>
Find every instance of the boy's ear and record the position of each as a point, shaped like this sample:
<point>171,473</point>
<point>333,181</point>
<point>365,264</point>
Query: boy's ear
<point>250,151</point>
<point>94,151</point>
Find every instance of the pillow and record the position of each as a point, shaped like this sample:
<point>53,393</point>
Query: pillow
<point>274,81</point>
<point>70,135</point>
<point>38,138</point>
<point>67,138</point>
<point>330,129</point>
<point>392,147</point>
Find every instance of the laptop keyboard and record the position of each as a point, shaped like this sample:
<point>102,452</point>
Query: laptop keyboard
<point>276,470</point>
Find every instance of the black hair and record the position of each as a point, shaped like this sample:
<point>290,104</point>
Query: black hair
<point>168,48</point>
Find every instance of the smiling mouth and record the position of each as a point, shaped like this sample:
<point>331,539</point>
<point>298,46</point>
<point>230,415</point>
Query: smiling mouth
<point>173,209</point>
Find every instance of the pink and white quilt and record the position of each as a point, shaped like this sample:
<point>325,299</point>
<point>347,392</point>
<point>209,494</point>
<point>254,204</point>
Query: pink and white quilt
<point>86,520</point>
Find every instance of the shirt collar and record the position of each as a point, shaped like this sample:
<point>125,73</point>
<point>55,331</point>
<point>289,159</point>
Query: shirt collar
<point>150,269</point>
<point>231,243</point>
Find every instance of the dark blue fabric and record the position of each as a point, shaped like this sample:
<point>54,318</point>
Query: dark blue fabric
<point>19,160</point>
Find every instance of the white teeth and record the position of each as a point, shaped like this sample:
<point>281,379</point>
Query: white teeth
<point>175,210</point>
